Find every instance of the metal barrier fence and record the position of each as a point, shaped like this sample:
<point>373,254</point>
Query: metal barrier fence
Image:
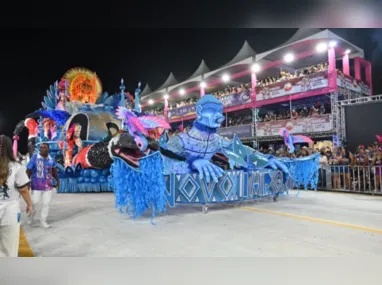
<point>362,179</point>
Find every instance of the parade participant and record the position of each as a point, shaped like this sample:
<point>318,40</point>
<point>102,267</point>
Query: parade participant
<point>73,139</point>
<point>13,181</point>
<point>41,169</point>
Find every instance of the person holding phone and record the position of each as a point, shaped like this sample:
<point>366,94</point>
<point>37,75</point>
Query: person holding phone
<point>13,183</point>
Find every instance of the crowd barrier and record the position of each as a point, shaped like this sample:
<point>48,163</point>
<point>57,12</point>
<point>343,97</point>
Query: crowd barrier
<point>358,179</point>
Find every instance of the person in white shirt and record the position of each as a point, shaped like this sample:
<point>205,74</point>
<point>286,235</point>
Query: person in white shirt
<point>13,182</point>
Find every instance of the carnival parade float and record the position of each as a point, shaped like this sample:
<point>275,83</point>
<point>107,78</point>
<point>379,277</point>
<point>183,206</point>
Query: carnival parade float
<point>105,143</point>
<point>77,120</point>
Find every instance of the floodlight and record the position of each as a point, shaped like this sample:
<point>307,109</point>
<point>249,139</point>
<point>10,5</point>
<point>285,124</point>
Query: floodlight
<point>255,67</point>
<point>226,77</point>
<point>321,47</point>
<point>332,44</point>
<point>289,57</point>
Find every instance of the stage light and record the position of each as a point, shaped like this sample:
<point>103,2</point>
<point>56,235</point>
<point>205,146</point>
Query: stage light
<point>347,51</point>
<point>321,47</point>
<point>166,96</point>
<point>151,101</point>
<point>289,57</point>
<point>225,78</point>
<point>255,67</point>
<point>332,44</point>
<point>182,91</point>
<point>203,84</point>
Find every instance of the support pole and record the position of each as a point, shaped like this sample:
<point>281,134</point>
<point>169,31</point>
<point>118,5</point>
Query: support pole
<point>253,86</point>
<point>332,73</point>
<point>345,64</point>
<point>357,68</point>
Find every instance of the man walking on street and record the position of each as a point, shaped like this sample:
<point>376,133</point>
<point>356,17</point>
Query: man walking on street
<point>42,169</point>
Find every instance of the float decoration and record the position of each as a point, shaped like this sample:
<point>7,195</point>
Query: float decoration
<point>189,175</point>
<point>290,140</point>
<point>83,85</point>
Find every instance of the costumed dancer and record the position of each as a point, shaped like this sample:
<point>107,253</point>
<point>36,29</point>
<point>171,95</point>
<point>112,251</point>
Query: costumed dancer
<point>50,128</point>
<point>13,182</point>
<point>42,169</point>
<point>73,139</point>
<point>62,96</point>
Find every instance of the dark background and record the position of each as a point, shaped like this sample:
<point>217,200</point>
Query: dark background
<point>363,122</point>
<point>43,41</point>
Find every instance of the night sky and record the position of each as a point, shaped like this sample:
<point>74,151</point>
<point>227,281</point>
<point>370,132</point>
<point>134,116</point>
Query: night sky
<point>31,60</point>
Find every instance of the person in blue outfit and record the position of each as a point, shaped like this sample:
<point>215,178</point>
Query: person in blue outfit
<point>42,169</point>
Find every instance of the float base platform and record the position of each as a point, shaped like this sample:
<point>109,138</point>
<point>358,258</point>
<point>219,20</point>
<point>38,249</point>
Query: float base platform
<point>313,224</point>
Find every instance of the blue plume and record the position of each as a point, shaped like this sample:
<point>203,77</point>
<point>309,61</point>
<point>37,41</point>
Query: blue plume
<point>136,191</point>
<point>304,171</point>
<point>101,99</point>
<point>50,100</point>
<point>57,115</point>
<point>113,101</point>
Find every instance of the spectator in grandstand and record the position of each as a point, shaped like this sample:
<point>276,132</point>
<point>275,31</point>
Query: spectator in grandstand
<point>361,160</point>
<point>377,163</point>
<point>280,152</point>
<point>295,114</point>
<point>323,157</point>
<point>335,160</point>
<point>328,153</point>
<point>346,158</point>
<point>304,152</point>
<point>323,165</point>
<point>370,151</point>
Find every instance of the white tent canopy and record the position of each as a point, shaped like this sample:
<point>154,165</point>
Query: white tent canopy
<point>201,70</point>
<point>147,90</point>
<point>245,52</point>
<point>170,81</point>
<point>321,35</point>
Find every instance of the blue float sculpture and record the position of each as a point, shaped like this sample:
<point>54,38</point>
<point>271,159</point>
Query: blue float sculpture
<point>189,174</point>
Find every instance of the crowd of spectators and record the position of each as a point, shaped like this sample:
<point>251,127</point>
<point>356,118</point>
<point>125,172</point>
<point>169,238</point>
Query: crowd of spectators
<point>285,75</point>
<point>183,103</point>
<point>232,90</point>
<point>360,170</point>
<point>315,110</point>
<point>238,121</point>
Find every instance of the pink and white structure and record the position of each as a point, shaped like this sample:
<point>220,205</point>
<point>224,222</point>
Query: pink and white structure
<point>305,48</point>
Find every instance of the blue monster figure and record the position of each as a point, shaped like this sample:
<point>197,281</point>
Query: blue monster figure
<point>201,143</point>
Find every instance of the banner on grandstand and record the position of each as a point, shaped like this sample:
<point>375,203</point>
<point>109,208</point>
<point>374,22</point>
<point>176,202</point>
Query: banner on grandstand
<point>243,131</point>
<point>321,123</point>
<point>350,83</point>
<point>181,112</point>
<point>313,81</point>
<point>236,99</point>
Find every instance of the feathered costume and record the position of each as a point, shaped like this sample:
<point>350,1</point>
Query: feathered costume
<point>139,126</point>
<point>290,140</point>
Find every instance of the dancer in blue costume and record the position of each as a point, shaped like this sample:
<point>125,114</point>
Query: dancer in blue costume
<point>202,142</point>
